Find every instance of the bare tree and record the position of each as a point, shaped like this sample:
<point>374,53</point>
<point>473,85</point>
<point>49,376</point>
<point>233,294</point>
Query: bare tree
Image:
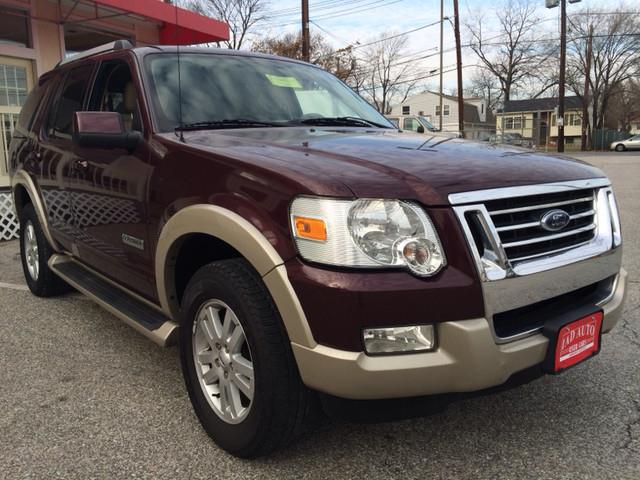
<point>386,80</point>
<point>240,15</point>
<point>339,62</point>
<point>615,58</point>
<point>624,105</point>
<point>514,55</point>
<point>485,85</point>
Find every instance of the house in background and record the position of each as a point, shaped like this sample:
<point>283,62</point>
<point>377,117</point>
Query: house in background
<point>536,119</point>
<point>427,104</point>
<point>36,34</point>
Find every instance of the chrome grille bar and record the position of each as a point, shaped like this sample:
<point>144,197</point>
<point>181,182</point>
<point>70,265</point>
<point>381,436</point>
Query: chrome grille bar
<point>552,252</point>
<point>503,226</point>
<point>539,207</point>
<point>549,237</point>
<point>536,224</point>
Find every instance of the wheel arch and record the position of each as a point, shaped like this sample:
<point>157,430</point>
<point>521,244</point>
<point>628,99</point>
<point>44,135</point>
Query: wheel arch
<point>239,238</point>
<point>24,191</point>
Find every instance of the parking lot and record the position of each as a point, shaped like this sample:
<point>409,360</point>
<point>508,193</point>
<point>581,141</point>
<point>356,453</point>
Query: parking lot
<point>82,395</point>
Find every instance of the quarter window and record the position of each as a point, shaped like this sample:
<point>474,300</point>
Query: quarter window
<point>27,113</point>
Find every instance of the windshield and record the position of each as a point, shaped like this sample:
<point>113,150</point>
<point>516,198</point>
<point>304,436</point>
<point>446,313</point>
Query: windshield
<point>427,124</point>
<point>217,88</point>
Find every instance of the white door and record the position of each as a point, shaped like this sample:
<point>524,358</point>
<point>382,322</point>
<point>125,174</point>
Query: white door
<point>16,80</point>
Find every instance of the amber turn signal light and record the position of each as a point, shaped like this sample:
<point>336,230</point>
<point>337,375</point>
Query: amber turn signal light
<point>311,228</point>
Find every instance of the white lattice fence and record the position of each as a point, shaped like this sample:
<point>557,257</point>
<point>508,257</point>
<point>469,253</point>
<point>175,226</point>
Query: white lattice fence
<point>9,227</point>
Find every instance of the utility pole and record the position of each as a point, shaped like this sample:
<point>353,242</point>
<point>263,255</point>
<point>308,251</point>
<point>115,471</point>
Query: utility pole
<point>456,29</point>
<point>305,31</point>
<point>585,96</point>
<point>563,54</point>
<point>441,45</point>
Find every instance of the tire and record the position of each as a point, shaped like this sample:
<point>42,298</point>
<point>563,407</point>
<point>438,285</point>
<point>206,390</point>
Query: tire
<point>278,403</point>
<point>620,148</point>
<point>35,252</point>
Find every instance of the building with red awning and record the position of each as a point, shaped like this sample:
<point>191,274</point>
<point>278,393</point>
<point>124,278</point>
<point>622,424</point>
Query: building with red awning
<point>36,34</point>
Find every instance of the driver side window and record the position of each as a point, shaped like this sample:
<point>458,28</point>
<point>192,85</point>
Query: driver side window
<point>115,91</point>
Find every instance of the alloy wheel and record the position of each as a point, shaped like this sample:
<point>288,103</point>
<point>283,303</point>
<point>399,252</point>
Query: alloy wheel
<point>223,361</point>
<point>31,251</point>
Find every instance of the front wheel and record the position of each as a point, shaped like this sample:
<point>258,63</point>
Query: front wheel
<point>237,363</point>
<point>620,148</point>
<point>35,252</point>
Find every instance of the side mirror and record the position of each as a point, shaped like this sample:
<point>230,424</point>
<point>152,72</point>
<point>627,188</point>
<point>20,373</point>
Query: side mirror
<point>103,130</point>
<point>420,129</point>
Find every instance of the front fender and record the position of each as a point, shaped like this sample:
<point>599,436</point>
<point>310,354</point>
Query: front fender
<point>239,233</point>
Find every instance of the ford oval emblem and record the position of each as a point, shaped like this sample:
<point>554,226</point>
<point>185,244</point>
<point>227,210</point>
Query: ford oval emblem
<point>555,220</point>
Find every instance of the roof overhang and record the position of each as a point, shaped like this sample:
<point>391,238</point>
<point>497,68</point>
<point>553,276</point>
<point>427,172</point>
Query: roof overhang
<point>177,25</point>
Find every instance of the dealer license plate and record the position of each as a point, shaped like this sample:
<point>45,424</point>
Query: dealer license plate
<point>577,341</point>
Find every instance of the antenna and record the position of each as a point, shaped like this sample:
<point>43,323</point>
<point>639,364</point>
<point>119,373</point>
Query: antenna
<point>181,136</point>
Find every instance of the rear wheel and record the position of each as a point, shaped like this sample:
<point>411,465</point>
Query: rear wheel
<point>35,252</point>
<point>620,148</point>
<point>237,362</point>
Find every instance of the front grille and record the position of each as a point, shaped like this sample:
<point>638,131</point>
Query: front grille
<point>533,317</point>
<point>517,222</point>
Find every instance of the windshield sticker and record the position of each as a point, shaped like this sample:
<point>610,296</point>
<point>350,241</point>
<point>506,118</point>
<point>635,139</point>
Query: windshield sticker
<point>287,82</point>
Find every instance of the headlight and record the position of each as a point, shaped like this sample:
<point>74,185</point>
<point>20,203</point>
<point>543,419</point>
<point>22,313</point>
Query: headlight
<point>372,233</point>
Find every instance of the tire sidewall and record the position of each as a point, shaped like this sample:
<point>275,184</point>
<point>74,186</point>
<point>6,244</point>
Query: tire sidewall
<point>231,437</point>
<point>620,148</point>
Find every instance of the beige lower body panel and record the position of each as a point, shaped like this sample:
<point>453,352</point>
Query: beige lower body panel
<point>467,359</point>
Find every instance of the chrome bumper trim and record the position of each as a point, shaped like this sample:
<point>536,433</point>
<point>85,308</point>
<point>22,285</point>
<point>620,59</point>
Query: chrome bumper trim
<point>508,192</point>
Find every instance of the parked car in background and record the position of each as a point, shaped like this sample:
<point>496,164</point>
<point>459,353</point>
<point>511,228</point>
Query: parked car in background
<point>510,139</point>
<point>413,123</point>
<point>418,124</point>
<point>632,143</point>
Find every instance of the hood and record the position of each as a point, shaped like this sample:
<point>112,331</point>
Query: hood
<point>379,163</point>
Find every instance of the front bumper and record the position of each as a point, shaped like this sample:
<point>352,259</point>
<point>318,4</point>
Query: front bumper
<point>468,359</point>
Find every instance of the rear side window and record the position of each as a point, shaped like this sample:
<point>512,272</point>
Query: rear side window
<point>30,107</point>
<point>69,101</point>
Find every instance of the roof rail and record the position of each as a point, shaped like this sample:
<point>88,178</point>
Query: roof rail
<point>107,47</point>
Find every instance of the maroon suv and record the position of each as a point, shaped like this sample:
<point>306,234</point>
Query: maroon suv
<point>299,241</point>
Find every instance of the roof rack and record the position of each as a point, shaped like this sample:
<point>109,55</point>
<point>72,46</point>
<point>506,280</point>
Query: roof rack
<point>107,47</point>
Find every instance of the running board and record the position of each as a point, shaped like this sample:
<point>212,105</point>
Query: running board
<point>133,311</point>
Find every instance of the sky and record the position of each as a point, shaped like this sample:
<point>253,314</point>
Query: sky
<point>344,22</point>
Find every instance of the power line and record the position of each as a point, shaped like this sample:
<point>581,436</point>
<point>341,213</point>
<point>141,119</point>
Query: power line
<point>401,34</point>
<point>415,79</point>
<point>345,12</point>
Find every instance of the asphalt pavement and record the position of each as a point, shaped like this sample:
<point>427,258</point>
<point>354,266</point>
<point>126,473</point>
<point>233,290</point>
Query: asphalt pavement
<point>83,396</point>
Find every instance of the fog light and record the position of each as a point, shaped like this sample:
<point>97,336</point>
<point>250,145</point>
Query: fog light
<point>413,338</point>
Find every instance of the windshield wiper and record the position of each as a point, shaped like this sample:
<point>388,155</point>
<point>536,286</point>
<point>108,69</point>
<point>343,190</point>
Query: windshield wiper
<point>342,121</point>
<point>227,123</point>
